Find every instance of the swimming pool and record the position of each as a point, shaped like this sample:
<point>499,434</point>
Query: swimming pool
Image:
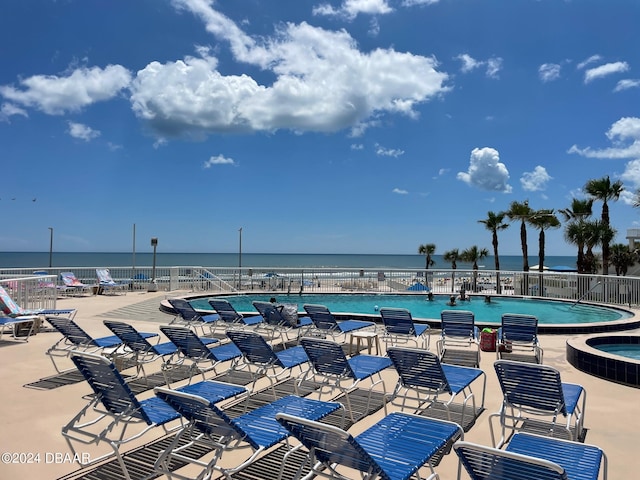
<point>549,312</point>
<point>613,357</point>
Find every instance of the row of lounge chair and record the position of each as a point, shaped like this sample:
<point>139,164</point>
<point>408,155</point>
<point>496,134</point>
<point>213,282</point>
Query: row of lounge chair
<point>517,335</point>
<point>395,447</point>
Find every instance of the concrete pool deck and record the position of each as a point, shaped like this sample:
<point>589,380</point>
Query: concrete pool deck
<point>32,419</point>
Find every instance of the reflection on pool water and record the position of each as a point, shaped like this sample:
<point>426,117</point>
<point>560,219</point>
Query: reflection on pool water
<point>548,311</point>
<point>624,350</point>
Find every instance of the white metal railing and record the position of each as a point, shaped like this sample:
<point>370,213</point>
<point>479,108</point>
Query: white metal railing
<point>569,286</point>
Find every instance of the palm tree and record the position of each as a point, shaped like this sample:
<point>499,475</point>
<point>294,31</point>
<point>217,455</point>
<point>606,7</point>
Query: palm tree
<point>592,238</point>
<point>543,219</point>
<point>575,215</point>
<point>602,189</point>
<point>575,234</point>
<point>473,255</point>
<point>452,256</point>
<point>427,249</point>
<point>521,212</point>
<point>494,223</point>
<point>622,258</point>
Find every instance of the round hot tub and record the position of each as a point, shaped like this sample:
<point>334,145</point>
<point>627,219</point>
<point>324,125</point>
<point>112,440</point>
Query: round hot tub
<point>613,357</point>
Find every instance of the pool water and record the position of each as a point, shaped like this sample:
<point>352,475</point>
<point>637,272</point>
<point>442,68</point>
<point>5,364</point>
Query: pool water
<point>624,350</point>
<point>548,311</point>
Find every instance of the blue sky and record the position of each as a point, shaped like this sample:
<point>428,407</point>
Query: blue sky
<point>316,126</point>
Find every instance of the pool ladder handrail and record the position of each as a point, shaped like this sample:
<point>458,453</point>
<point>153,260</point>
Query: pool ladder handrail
<point>585,294</point>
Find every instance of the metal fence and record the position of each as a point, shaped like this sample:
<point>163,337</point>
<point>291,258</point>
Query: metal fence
<point>39,291</point>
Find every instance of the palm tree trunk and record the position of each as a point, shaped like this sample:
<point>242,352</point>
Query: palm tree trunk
<point>605,244</point>
<point>541,260</point>
<point>525,259</point>
<point>497,261</point>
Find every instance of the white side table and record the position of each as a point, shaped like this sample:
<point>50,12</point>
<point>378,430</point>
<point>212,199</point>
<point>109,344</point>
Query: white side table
<point>369,336</point>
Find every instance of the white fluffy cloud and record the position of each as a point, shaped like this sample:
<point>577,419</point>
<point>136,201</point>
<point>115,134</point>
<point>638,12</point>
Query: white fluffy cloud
<point>218,160</point>
<point>388,152</point>
<point>486,171</point>
<point>605,70</point>
<point>351,8</point>
<point>8,110</point>
<point>549,72</point>
<point>400,191</point>
<point>82,132</point>
<point>493,65</point>
<point>589,61</point>
<point>626,84</point>
<point>56,95</point>
<point>536,180</point>
<point>625,136</point>
<point>323,82</point>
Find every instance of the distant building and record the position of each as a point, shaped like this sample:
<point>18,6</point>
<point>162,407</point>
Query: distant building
<point>633,235</point>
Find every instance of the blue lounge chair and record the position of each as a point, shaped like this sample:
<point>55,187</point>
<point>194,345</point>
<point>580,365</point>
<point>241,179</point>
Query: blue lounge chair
<point>395,448</point>
<point>210,426</point>
<point>518,334</point>
<point>138,348</point>
<point>189,316</point>
<point>281,320</point>
<point>13,316</point>
<point>533,391</point>
<point>230,316</point>
<point>203,354</point>
<point>532,456</point>
<point>423,380</point>
<point>400,328</point>
<point>332,369</point>
<point>114,408</point>
<point>108,284</point>
<point>75,339</point>
<point>459,334</point>
<point>258,353</point>
<point>326,324</point>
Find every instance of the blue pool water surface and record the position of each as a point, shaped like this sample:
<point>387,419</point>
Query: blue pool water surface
<point>624,350</point>
<point>548,311</point>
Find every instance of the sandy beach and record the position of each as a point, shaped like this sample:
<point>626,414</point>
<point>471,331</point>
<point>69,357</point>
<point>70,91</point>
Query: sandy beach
<point>32,418</point>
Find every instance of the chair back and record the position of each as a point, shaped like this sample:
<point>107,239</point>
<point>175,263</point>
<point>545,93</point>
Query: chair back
<point>419,368</point>
<point>185,309</point>
<point>457,323</point>
<point>531,385</point>
<point>253,347</point>
<point>188,343</point>
<point>70,280</point>
<point>129,336</point>
<point>327,357</point>
<point>226,311</point>
<point>519,328</point>
<point>329,444</point>
<point>71,331</point>
<point>486,463</point>
<point>8,305</point>
<point>202,413</point>
<point>321,317</point>
<point>397,321</point>
<point>109,386</point>
<point>270,312</point>
<point>104,276</point>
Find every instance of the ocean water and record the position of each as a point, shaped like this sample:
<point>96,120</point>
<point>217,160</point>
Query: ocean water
<point>38,260</point>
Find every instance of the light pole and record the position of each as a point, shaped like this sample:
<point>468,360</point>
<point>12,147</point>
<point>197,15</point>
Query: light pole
<point>153,286</point>
<point>50,247</point>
